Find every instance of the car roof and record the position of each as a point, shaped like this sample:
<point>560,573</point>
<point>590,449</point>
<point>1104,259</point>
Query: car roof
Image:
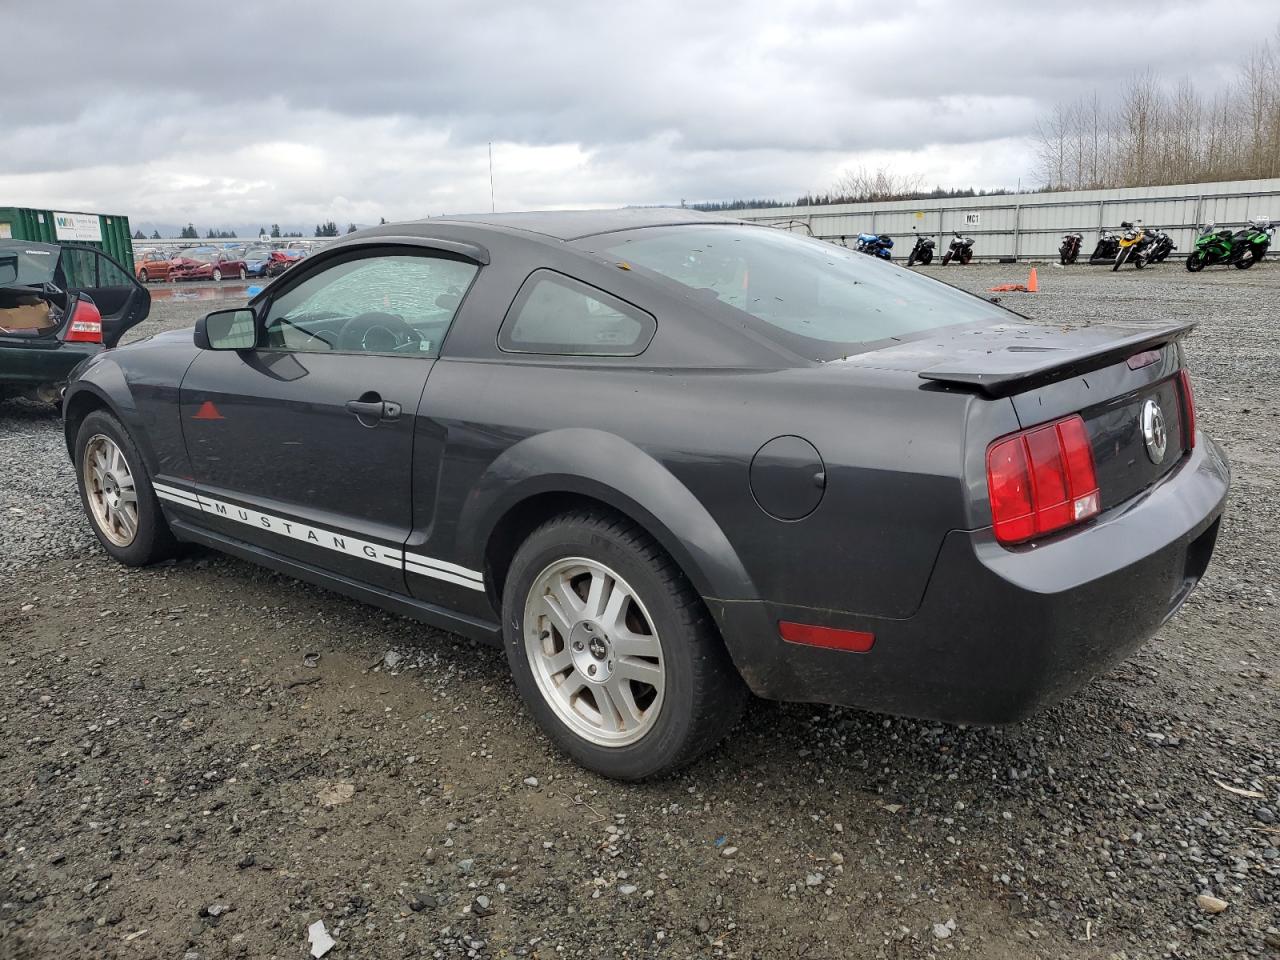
<point>575,224</point>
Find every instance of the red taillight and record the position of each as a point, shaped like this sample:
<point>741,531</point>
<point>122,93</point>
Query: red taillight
<point>1188,408</point>
<point>856,641</point>
<point>1041,480</point>
<point>86,324</point>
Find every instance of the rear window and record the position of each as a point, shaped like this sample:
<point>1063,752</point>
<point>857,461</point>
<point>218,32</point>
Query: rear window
<point>812,297</point>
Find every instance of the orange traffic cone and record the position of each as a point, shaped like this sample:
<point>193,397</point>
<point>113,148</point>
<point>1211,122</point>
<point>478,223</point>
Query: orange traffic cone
<point>1033,285</point>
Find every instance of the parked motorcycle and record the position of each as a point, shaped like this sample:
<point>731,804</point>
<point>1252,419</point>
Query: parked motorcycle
<point>1240,248</point>
<point>961,249</point>
<point>1108,246</point>
<point>1161,246</point>
<point>922,252</point>
<point>1132,247</point>
<point>876,245</point>
<point>1070,248</point>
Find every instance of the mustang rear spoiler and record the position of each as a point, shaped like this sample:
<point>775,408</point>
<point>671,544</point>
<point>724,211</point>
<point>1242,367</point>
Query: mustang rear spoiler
<point>1005,370</point>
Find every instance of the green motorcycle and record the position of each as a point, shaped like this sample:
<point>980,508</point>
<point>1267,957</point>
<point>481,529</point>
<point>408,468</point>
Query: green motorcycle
<point>1239,248</point>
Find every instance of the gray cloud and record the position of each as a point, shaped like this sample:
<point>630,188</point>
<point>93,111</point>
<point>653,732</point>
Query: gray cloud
<point>388,107</point>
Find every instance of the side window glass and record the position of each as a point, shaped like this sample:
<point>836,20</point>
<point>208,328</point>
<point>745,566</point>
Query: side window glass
<point>397,303</point>
<point>110,275</point>
<point>555,314</point>
<point>80,267</point>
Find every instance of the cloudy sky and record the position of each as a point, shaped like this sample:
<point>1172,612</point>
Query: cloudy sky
<point>300,111</point>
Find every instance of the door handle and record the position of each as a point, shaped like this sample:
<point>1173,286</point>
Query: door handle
<point>374,409</point>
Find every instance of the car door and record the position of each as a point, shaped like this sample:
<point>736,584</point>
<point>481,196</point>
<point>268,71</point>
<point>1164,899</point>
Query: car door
<point>119,297</point>
<point>303,444</point>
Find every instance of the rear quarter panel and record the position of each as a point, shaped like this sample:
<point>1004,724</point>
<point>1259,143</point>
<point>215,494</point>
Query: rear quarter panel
<point>899,474</point>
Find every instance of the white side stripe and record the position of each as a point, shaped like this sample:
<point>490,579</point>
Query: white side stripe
<point>328,539</point>
<point>425,571</point>
<point>443,566</point>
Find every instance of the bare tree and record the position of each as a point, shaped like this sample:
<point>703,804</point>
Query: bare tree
<point>1159,132</point>
<point>853,186</point>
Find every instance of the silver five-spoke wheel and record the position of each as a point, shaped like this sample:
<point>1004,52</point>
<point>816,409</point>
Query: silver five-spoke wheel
<point>110,489</point>
<point>594,652</point>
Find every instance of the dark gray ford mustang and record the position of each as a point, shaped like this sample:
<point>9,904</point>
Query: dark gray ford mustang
<point>667,459</point>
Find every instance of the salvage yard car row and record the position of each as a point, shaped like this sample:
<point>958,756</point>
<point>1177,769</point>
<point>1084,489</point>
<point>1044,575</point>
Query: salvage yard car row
<point>215,263</point>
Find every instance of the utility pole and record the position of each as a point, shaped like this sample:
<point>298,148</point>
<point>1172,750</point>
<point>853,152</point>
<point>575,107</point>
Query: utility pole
<point>492,206</point>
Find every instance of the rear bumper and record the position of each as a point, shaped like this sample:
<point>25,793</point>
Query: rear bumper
<point>1001,633</point>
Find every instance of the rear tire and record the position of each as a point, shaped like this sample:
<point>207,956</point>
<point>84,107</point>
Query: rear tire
<point>965,257</point>
<point>926,258</point>
<point>1195,261</point>
<point>642,603</point>
<point>114,484</point>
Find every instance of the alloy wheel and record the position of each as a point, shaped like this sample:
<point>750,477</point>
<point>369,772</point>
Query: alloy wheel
<point>594,652</point>
<point>111,491</point>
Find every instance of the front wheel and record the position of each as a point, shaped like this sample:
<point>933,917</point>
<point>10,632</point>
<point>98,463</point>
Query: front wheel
<point>612,651</point>
<point>142,276</point>
<point>243,273</point>
<point>911,260</point>
<point>217,274</point>
<point>946,258</point>
<point>117,495</point>
<point>1121,257</point>
<point>1195,261</point>
<point>927,257</point>
<point>965,257</point>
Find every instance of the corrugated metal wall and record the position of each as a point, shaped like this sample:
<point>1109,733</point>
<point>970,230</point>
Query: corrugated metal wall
<point>1031,225</point>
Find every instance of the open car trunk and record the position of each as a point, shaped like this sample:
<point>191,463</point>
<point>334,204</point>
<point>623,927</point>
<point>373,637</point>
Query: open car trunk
<point>25,312</point>
<point>40,282</point>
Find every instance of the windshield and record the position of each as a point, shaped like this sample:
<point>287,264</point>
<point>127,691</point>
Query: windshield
<point>199,256</point>
<point>35,262</point>
<point>812,297</point>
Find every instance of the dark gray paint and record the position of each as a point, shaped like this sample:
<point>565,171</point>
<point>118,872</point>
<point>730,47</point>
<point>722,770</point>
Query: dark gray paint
<point>898,543</point>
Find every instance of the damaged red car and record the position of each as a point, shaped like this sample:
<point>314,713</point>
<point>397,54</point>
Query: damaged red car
<point>207,264</point>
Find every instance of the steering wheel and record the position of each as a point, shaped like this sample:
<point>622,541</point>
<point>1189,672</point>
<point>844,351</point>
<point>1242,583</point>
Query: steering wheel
<point>376,333</point>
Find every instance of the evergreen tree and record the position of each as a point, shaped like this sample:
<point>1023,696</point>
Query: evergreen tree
<point>155,235</point>
<point>275,231</point>
<point>351,228</point>
<point>139,235</point>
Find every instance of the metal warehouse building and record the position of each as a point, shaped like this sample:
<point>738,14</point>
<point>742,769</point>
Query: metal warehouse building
<point>1031,225</point>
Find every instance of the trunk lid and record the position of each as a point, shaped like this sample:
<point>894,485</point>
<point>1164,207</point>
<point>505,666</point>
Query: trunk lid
<point>1109,374</point>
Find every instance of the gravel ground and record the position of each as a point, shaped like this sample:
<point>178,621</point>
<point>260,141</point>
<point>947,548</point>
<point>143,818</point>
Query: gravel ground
<point>177,783</point>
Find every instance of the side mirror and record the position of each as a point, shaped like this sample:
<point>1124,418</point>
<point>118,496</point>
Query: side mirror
<point>227,330</point>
